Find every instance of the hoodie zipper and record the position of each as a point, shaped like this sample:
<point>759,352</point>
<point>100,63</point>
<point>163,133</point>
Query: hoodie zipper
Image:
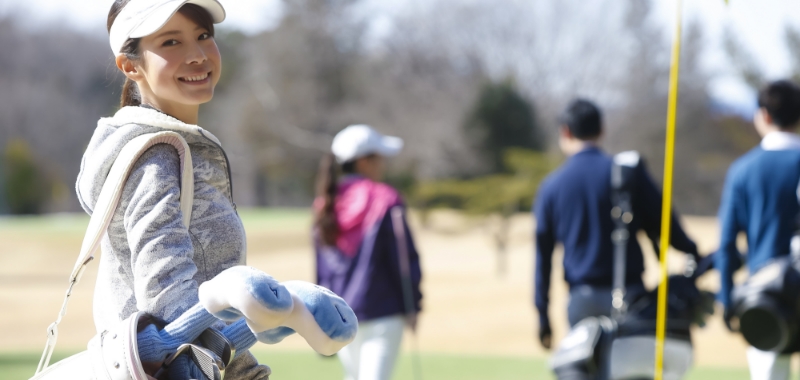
<point>227,166</point>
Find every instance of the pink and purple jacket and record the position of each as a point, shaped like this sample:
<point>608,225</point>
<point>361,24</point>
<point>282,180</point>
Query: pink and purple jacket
<point>364,267</point>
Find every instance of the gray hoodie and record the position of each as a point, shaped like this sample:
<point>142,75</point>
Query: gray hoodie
<point>150,261</point>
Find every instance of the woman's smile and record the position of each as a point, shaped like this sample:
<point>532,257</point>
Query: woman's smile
<point>195,79</point>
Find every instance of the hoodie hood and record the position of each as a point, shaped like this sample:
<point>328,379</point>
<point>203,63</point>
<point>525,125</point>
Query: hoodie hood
<point>360,205</point>
<point>110,137</point>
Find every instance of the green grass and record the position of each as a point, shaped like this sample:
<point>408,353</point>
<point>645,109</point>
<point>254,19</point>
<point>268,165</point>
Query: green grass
<point>22,366</point>
<point>72,223</point>
<point>434,366</point>
<point>304,365</point>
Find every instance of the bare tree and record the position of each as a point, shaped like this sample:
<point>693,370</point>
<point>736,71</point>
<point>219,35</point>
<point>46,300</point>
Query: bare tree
<point>55,84</point>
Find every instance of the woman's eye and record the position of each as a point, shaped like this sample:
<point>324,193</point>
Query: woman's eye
<point>170,43</point>
<point>204,36</point>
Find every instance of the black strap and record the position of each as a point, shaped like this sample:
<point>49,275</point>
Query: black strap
<point>622,215</point>
<point>404,258</point>
<point>795,242</point>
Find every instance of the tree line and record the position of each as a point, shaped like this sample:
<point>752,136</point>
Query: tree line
<point>473,87</point>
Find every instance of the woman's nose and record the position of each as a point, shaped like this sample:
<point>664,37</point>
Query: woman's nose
<point>196,54</point>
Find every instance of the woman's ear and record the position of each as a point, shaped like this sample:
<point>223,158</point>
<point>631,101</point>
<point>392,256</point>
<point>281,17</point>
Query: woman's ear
<point>564,132</point>
<point>128,67</point>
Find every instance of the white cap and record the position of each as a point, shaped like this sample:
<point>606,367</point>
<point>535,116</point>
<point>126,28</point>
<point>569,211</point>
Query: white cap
<point>141,18</point>
<point>361,140</point>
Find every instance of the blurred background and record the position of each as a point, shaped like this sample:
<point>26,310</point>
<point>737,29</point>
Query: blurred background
<point>473,86</point>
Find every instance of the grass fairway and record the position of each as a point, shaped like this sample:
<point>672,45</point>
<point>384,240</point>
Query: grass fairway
<point>434,366</point>
<point>303,366</point>
<point>459,337</point>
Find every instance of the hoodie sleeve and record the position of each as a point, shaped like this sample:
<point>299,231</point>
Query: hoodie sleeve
<point>161,247</point>
<point>545,244</point>
<point>731,220</point>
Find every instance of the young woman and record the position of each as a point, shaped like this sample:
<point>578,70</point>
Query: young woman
<point>151,261</point>
<point>359,255</point>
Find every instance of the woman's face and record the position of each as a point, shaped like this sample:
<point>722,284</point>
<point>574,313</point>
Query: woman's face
<point>371,166</point>
<point>180,65</point>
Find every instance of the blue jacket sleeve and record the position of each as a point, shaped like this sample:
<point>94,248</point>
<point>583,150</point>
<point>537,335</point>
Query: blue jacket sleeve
<point>545,243</point>
<point>728,258</point>
<point>647,204</point>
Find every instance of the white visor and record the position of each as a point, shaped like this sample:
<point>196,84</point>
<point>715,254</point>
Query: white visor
<point>141,18</point>
<point>361,140</point>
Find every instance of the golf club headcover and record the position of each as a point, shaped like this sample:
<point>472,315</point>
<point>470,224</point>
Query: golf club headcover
<point>235,292</point>
<point>155,345</point>
<point>271,310</point>
<point>321,317</point>
<point>243,291</point>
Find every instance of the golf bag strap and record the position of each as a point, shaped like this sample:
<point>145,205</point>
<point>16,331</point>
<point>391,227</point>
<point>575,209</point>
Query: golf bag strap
<point>795,242</point>
<point>622,215</point>
<point>106,205</point>
<point>403,257</point>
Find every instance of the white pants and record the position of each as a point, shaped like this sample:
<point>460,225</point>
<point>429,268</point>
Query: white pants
<point>371,356</point>
<point>766,365</point>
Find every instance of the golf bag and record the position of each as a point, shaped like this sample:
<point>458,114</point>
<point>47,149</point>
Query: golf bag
<point>621,347</point>
<point>113,354</point>
<point>767,305</point>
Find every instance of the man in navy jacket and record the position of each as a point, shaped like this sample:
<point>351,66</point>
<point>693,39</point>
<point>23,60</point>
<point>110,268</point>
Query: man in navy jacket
<point>573,207</point>
<point>760,198</point>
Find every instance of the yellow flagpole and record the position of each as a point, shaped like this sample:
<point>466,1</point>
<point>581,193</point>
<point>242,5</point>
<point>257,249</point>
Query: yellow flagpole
<point>666,206</point>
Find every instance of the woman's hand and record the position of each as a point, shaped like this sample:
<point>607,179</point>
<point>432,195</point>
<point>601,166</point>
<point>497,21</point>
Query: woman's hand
<point>411,321</point>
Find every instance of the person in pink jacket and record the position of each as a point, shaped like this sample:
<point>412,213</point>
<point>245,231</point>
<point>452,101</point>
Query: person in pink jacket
<point>365,252</point>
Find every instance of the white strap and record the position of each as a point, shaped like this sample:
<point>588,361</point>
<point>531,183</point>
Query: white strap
<point>107,204</point>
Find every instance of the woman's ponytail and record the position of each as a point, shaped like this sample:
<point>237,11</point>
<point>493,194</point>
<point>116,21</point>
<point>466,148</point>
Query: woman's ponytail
<point>327,182</point>
<point>130,94</point>
<point>130,90</point>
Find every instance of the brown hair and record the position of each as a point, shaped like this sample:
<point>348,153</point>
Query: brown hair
<point>130,91</point>
<point>325,218</point>
<point>327,187</point>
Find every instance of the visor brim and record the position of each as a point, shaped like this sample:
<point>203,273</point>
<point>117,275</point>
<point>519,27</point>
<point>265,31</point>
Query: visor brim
<point>160,16</point>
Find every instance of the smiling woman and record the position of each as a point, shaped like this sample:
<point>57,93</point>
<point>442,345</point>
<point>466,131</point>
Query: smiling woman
<point>155,255</point>
<point>175,69</point>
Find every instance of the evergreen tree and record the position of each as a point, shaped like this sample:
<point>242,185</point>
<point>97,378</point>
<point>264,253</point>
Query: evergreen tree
<point>26,189</point>
<point>500,119</point>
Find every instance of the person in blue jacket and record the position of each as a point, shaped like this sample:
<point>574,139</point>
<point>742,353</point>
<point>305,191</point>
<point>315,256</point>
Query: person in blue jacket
<point>573,207</point>
<point>365,251</point>
<point>760,198</point>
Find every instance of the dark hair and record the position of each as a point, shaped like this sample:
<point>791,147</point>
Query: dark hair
<point>583,119</point>
<point>325,218</point>
<point>130,91</point>
<point>781,99</point>
<point>327,186</point>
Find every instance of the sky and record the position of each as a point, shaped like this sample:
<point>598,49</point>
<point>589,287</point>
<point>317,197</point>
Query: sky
<point>757,23</point>
<point>89,15</point>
